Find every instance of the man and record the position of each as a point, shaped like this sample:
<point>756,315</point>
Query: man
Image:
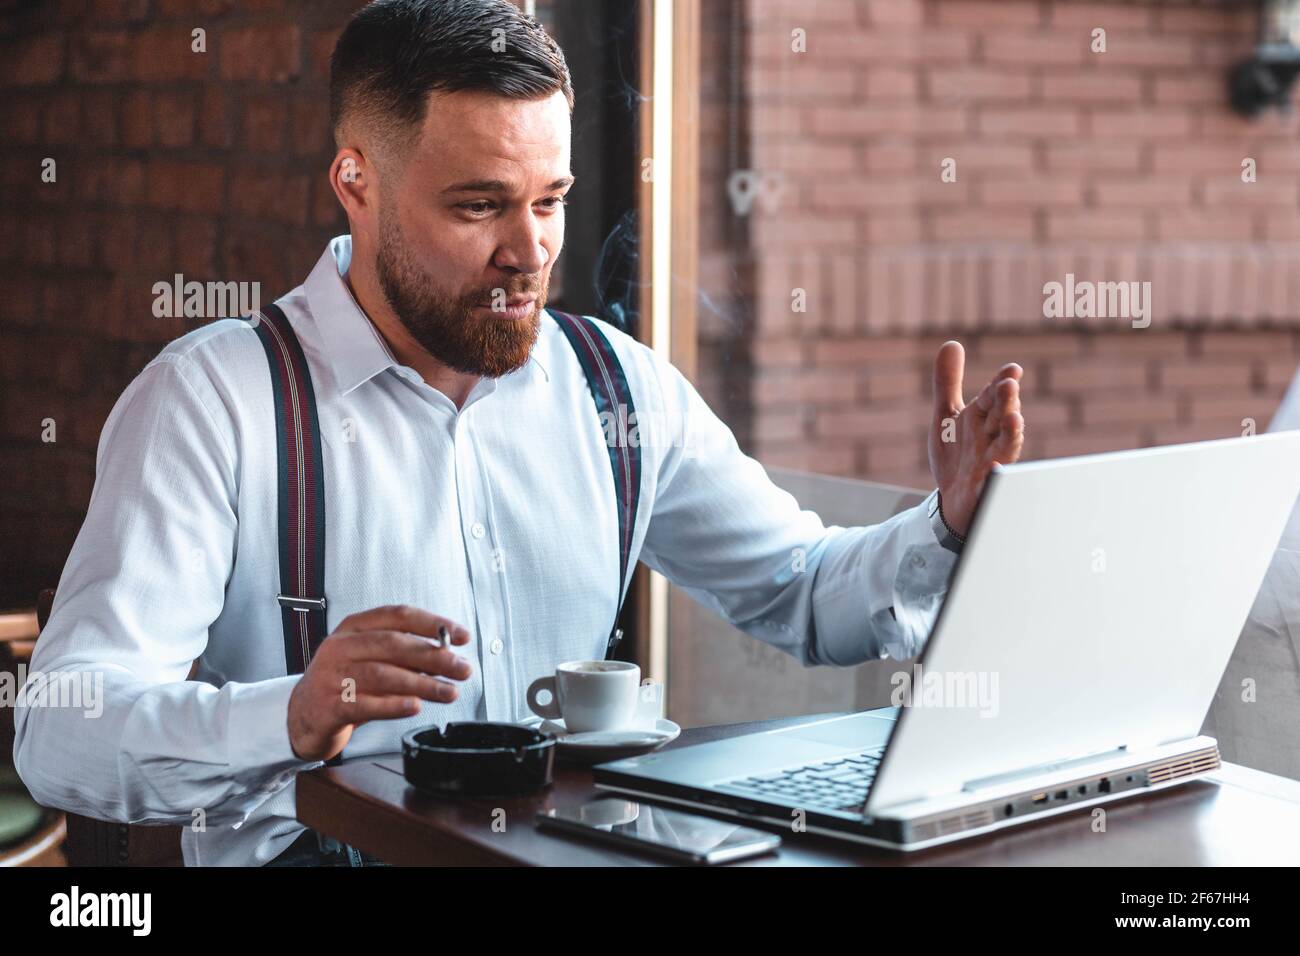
<point>466,477</point>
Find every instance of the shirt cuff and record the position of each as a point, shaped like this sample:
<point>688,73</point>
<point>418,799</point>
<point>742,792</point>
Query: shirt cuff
<point>921,584</point>
<point>259,732</point>
<point>941,532</point>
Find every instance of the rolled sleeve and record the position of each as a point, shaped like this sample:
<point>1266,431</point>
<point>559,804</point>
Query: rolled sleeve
<point>894,576</point>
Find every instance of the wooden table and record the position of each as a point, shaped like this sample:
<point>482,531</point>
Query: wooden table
<point>1238,817</point>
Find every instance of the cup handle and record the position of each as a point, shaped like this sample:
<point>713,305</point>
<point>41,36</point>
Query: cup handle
<point>650,703</point>
<point>550,711</point>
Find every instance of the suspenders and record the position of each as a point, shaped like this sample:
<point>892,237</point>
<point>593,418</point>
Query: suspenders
<point>301,491</point>
<point>613,397</point>
<point>302,477</point>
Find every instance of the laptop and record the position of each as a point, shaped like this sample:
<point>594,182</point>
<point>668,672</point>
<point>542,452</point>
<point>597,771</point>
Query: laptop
<point>1088,622</point>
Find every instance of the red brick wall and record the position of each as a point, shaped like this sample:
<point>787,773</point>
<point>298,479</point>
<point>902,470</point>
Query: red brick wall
<point>1123,165</point>
<point>208,164</point>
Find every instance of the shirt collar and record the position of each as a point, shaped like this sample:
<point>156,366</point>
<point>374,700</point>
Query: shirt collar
<point>351,343</point>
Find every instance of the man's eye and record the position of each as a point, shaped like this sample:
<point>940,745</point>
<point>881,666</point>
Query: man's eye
<point>483,205</point>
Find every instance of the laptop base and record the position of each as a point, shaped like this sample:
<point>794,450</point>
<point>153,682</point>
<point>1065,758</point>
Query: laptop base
<point>920,824</point>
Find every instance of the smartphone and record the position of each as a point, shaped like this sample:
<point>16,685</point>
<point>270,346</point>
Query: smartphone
<point>671,834</point>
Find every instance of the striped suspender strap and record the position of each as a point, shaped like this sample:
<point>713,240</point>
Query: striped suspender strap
<point>613,398</point>
<point>301,502</point>
<point>301,490</point>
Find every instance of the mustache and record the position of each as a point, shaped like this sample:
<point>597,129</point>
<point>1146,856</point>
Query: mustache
<point>533,290</point>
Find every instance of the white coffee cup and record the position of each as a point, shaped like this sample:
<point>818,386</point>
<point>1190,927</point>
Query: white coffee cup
<point>589,695</point>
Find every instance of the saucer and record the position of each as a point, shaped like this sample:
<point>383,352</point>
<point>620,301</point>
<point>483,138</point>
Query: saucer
<point>597,746</point>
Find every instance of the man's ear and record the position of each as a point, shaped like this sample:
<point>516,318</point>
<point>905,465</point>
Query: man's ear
<point>350,176</point>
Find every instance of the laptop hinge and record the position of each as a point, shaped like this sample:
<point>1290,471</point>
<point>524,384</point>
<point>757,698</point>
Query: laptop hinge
<point>998,780</point>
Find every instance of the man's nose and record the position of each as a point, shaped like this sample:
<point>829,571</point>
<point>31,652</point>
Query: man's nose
<point>523,248</point>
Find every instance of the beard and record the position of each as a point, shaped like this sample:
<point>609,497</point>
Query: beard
<point>449,327</point>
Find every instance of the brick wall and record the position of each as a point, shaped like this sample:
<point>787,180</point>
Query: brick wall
<point>1123,165</point>
<point>168,160</point>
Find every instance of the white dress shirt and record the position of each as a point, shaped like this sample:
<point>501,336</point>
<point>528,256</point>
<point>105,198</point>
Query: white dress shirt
<point>499,515</point>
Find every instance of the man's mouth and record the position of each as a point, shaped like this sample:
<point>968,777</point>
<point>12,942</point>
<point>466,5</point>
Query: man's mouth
<point>516,307</point>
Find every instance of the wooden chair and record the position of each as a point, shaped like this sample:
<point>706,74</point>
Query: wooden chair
<point>42,848</point>
<point>92,842</point>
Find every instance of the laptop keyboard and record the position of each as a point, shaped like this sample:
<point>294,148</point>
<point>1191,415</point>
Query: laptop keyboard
<point>839,784</point>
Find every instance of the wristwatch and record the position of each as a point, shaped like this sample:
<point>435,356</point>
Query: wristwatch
<point>947,537</point>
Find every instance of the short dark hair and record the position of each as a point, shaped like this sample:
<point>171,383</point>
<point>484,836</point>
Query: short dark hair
<point>394,53</point>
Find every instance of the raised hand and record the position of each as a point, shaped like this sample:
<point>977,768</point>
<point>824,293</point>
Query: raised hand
<point>966,441</point>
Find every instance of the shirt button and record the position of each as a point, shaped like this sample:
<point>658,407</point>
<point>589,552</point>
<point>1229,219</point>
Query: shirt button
<point>918,561</point>
<point>497,646</point>
<point>477,530</point>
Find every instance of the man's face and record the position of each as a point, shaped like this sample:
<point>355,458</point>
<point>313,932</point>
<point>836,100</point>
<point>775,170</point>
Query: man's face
<point>473,226</point>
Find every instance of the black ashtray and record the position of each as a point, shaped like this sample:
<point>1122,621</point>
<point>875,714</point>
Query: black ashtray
<point>476,759</point>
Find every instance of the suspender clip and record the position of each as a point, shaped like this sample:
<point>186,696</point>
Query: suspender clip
<point>301,603</point>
